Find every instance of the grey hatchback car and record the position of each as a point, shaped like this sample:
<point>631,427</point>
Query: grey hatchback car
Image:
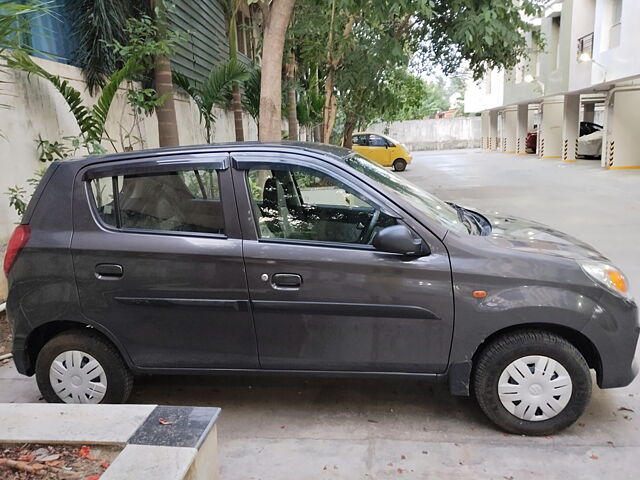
<point>311,260</point>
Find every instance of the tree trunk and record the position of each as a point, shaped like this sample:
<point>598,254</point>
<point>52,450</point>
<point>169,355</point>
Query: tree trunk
<point>330,107</point>
<point>292,101</point>
<point>237,113</point>
<point>275,29</point>
<point>349,128</point>
<point>163,80</point>
<point>236,102</point>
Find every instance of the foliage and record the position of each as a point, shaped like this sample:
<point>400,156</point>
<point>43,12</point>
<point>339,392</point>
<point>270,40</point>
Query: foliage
<point>49,151</point>
<point>18,199</point>
<point>143,42</point>
<point>91,120</point>
<point>483,34</point>
<point>14,19</point>
<point>363,48</point>
<point>215,91</point>
<point>97,24</point>
<point>251,93</point>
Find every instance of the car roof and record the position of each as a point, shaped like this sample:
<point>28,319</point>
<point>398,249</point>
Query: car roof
<point>284,147</point>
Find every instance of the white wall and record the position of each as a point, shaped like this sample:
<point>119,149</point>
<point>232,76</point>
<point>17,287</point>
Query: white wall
<point>434,134</point>
<point>619,62</point>
<point>36,107</point>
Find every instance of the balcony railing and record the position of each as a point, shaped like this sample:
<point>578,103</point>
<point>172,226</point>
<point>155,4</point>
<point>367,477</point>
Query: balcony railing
<point>585,47</point>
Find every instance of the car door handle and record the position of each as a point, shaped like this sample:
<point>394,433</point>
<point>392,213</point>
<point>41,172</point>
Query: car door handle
<point>109,271</point>
<point>286,280</point>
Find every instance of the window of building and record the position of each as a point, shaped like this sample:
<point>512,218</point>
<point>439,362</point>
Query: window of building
<point>49,35</point>
<point>616,23</point>
<point>555,43</point>
<point>244,34</point>
<point>183,201</point>
<point>304,204</point>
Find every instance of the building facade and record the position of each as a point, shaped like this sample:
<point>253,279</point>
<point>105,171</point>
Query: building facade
<point>588,72</point>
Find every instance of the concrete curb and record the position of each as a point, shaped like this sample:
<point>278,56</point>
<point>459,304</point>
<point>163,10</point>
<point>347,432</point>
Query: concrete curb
<point>183,446</point>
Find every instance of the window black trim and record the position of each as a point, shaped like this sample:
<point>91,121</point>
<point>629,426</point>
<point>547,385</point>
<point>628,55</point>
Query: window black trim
<point>115,169</point>
<point>116,200</point>
<point>319,243</point>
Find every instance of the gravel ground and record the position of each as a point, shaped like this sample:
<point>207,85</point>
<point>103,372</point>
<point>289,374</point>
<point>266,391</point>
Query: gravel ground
<point>54,462</point>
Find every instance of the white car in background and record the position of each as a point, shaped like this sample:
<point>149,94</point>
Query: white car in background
<point>590,145</point>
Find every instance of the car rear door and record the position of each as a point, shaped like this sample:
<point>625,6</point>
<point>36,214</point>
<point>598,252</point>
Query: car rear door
<point>322,297</point>
<point>157,253</point>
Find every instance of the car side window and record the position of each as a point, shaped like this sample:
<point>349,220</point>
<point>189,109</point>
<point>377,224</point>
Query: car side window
<point>360,140</point>
<point>300,203</point>
<point>180,201</point>
<point>377,141</point>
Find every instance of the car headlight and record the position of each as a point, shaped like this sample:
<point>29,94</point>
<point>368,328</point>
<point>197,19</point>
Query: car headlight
<point>608,276</point>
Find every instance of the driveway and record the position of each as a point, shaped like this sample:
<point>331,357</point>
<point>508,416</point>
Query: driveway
<point>291,428</point>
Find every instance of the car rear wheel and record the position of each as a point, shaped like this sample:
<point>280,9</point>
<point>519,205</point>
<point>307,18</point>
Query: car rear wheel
<point>532,382</point>
<point>82,367</point>
<point>399,165</point>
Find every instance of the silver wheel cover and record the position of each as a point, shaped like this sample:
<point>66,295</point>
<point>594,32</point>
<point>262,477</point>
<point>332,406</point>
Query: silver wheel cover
<point>535,388</point>
<point>77,377</point>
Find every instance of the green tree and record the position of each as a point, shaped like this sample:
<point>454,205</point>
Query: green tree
<point>215,92</point>
<point>482,34</point>
<point>275,18</point>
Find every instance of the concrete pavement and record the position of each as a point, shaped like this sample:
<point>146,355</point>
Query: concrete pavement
<point>291,428</point>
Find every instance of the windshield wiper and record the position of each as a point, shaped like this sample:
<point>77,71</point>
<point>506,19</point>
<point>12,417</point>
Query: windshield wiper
<point>468,219</point>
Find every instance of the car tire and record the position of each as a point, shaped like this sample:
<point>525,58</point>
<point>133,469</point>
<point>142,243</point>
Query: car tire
<point>399,164</point>
<point>513,382</point>
<point>80,366</point>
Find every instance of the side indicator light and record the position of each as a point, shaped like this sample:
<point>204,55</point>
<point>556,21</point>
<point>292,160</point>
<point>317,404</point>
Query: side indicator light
<point>479,294</point>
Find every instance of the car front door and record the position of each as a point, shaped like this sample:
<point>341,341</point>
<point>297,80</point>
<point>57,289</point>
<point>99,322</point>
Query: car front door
<point>157,253</point>
<point>322,297</point>
<point>379,148</point>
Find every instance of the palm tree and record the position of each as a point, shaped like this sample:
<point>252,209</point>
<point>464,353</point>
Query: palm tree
<point>231,8</point>
<point>12,24</point>
<point>163,82</point>
<point>251,95</point>
<point>215,92</point>
<point>97,25</point>
<point>91,120</point>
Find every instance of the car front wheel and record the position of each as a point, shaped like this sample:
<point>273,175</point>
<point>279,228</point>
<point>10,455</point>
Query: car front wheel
<point>532,382</point>
<point>82,367</point>
<point>399,165</point>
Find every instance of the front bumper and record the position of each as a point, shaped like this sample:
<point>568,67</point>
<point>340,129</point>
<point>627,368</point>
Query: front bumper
<point>615,333</point>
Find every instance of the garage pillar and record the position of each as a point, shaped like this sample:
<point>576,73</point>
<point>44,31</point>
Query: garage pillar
<point>522,129</point>
<point>620,143</point>
<point>589,113</point>
<point>550,130</point>
<point>494,140</point>
<point>509,129</point>
<point>484,118</point>
<point>570,127</point>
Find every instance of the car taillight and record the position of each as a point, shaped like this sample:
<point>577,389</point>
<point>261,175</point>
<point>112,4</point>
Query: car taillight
<point>17,242</point>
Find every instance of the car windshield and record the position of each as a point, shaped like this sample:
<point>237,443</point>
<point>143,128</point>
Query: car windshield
<point>435,208</point>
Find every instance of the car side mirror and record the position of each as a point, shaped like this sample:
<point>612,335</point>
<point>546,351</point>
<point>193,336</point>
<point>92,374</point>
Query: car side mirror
<point>399,239</point>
